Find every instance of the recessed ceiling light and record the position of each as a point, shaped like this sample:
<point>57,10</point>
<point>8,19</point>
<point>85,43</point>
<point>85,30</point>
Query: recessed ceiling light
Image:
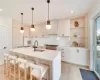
<point>1,10</point>
<point>72,11</point>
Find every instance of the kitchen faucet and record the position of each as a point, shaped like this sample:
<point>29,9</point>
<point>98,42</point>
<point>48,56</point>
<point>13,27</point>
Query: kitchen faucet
<point>35,46</point>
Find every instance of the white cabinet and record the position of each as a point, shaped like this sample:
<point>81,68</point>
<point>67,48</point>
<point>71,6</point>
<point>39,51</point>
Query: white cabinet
<point>63,28</point>
<point>42,31</point>
<point>60,27</point>
<point>53,29</point>
<point>75,55</point>
<point>64,56</point>
<point>18,37</point>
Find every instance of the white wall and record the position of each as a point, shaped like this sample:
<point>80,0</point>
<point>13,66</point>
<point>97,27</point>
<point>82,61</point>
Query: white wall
<point>51,40</point>
<point>17,37</point>
<point>7,22</point>
<point>95,10</point>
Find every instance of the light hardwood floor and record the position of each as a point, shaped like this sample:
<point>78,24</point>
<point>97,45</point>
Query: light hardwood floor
<point>69,72</point>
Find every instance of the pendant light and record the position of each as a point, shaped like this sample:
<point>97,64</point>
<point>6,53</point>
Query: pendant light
<point>48,26</point>
<point>22,29</point>
<point>32,26</point>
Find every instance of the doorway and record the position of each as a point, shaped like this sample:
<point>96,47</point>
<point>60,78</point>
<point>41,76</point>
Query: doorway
<point>3,42</point>
<point>97,46</point>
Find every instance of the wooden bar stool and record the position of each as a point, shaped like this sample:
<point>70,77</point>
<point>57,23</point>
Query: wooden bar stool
<point>38,72</point>
<point>6,64</point>
<point>12,66</point>
<point>22,68</point>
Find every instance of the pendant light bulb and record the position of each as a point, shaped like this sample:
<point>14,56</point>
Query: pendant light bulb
<point>32,28</point>
<point>48,26</point>
<point>22,29</point>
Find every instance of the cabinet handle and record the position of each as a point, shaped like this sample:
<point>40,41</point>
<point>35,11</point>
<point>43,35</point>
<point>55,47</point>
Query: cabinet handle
<point>77,50</point>
<point>62,34</point>
<point>62,56</point>
<point>62,52</point>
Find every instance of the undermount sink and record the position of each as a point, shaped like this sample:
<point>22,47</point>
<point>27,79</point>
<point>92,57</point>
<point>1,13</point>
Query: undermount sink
<point>39,50</point>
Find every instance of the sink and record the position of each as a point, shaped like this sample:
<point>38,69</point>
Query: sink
<point>39,50</point>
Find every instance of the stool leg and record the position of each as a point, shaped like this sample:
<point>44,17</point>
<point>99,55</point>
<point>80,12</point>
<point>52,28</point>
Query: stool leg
<point>19,72</point>
<point>30,74</point>
<point>14,71</point>
<point>25,72</point>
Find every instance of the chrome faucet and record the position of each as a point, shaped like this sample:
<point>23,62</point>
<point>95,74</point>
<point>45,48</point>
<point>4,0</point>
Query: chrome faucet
<point>35,46</point>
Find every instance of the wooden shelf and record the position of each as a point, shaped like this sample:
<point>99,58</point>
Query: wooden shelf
<point>76,27</point>
<point>78,37</point>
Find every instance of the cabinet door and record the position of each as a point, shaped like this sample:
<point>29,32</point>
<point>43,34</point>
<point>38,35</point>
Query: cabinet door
<point>67,55</point>
<point>53,29</point>
<point>63,27</point>
<point>83,57</point>
<point>67,28</point>
<point>60,31</point>
<point>17,36</point>
<point>73,56</point>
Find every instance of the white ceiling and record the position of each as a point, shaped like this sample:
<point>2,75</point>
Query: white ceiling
<point>58,9</point>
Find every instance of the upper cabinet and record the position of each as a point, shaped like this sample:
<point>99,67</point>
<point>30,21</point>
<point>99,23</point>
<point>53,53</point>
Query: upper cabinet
<point>54,26</point>
<point>59,27</point>
<point>63,28</point>
<point>53,29</point>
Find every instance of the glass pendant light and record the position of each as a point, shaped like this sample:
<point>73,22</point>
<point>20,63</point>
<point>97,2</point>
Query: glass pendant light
<point>22,29</point>
<point>48,26</point>
<point>32,26</point>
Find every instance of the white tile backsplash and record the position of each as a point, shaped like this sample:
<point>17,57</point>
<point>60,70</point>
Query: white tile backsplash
<point>52,40</point>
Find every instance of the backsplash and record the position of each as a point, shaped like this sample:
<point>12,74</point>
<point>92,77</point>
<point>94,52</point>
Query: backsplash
<point>51,40</point>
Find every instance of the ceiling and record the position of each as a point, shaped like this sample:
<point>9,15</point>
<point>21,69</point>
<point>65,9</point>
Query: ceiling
<point>59,9</point>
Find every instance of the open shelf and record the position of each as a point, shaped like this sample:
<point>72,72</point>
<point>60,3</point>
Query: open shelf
<point>77,27</point>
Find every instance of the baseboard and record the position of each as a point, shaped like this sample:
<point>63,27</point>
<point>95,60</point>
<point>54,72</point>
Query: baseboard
<point>76,64</point>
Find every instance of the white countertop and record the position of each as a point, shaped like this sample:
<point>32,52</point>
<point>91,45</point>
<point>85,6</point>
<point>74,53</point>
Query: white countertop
<point>47,54</point>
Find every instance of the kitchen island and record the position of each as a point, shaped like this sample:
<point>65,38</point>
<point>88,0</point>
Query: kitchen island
<point>52,58</point>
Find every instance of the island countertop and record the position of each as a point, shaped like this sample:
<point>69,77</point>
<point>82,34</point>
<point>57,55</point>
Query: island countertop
<point>46,54</point>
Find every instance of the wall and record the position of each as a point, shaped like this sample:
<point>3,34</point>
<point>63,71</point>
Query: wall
<point>91,16</point>
<point>7,22</point>
<point>17,37</point>
<point>51,40</point>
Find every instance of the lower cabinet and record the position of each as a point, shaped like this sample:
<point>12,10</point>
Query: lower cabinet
<point>76,55</point>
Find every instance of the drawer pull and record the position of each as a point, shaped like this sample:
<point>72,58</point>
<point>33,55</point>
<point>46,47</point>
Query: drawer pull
<point>77,50</point>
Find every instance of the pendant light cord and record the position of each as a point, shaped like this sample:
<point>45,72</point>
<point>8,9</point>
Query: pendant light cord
<point>22,18</point>
<point>48,1</point>
<point>48,11</point>
<point>32,15</point>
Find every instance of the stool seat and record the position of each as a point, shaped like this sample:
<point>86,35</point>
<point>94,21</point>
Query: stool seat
<point>22,60</point>
<point>5,54</point>
<point>36,73</point>
<point>12,57</point>
<point>23,66</point>
<point>12,62</point>
<point>38,70</point>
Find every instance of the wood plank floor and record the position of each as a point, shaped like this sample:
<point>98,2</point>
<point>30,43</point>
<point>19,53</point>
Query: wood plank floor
<point>69,72</point>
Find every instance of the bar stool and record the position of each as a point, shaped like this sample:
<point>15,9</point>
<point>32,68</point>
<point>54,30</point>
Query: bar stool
<point>38,72</point>
<point>6,64</point>
<point>12,66</point>
<point>22,69</point>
